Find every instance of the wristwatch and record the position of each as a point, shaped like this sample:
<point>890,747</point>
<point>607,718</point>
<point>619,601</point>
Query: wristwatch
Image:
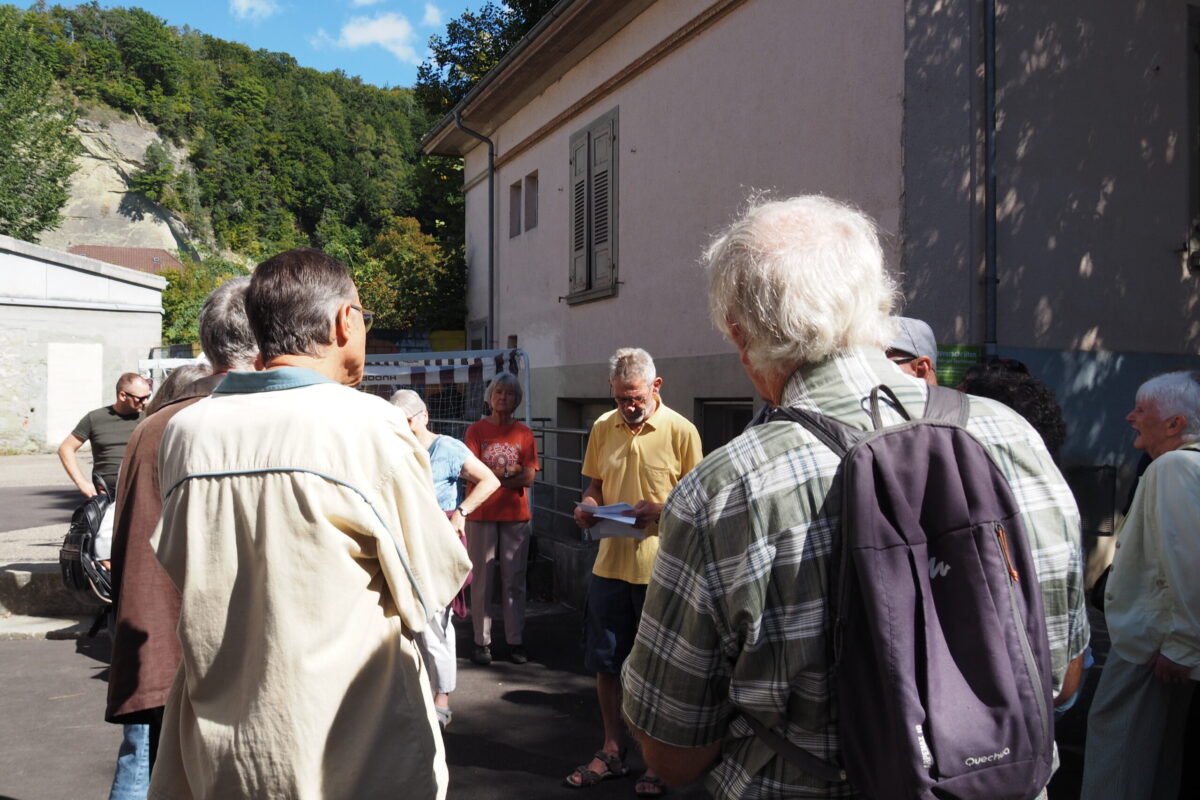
<point>462,511</point>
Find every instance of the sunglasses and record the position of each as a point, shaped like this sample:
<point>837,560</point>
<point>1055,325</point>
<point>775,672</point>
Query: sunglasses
<point>368,316</point>
<point>136,398</point>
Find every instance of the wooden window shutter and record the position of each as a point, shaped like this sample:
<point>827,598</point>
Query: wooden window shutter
<point>579,211</point>
<point>603,200</point>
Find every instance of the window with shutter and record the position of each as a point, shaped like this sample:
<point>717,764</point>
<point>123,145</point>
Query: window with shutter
<point>593,199</point>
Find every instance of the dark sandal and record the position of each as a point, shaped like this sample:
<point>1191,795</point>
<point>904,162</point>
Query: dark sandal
<point>659,789</point>
<point>588,778</point>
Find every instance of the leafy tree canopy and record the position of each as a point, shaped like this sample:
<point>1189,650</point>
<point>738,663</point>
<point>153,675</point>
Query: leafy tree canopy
<point>277,155</point>
<point>187,289</point>
<point>37,142</point>
<point>473,44</point>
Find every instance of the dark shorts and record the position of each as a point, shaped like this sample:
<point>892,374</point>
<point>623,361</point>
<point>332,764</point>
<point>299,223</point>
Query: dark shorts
<point>611,613</point>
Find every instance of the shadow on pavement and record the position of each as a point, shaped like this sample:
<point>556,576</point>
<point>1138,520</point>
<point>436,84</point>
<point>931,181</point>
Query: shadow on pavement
<point>37,506</point>
<point>518,731</point>
<point>98,648</point>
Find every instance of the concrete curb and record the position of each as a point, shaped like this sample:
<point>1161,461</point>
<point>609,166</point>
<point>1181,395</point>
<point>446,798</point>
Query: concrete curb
<point>18,627</point>
<point>37,590</point>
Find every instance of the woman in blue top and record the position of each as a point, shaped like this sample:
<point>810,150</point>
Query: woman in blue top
<point>449,459</point>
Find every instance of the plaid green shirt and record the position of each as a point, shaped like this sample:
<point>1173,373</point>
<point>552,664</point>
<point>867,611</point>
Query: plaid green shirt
<point>736,612</point>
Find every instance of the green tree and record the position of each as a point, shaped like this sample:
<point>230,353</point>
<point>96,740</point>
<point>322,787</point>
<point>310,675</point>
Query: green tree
<point>473,44</point>
<point>431,294</point>
<point>156,177</point>
<point>151,51</point>
<point>187,288</point>
<point>37,142</point>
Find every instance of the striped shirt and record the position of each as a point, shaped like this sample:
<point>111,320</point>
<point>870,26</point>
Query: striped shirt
<point>736,612</point>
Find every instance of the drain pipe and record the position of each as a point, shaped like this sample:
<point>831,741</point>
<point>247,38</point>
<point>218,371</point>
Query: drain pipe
<point>491,168</point>
<point>991,273</point>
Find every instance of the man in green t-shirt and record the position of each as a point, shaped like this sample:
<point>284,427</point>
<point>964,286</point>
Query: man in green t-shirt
<point>108,429</point>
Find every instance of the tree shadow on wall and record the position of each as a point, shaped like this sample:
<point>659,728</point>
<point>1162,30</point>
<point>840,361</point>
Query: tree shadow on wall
<point>1094,103</point>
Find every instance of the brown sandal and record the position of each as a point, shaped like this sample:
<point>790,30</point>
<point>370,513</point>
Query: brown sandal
<point>658,788</point>
<point>588,778</point>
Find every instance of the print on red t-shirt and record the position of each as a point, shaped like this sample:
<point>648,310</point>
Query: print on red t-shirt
<point>506,450</point>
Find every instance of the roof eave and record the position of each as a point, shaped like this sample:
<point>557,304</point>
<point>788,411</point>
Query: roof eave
<point>568,32</point>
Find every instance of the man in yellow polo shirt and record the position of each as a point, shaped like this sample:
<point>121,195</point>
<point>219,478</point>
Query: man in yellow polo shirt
<point>636,454</point>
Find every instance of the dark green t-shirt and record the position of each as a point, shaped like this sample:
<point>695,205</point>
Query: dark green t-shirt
<point>108,432</point>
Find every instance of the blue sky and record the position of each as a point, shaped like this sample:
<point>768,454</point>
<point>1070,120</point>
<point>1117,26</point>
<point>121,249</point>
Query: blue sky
<point>381,41</point>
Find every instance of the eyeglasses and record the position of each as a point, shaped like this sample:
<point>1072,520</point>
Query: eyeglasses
<point>899,357</point>
<point>631,399</point>
<point>136,398</point>
<point>368,316</point>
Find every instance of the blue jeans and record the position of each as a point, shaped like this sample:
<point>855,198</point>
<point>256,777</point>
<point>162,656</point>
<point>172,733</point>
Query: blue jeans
<point>132,778</point>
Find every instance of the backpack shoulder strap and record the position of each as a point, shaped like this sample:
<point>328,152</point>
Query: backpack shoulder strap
<point>837,436</point>
<point>825,770</point>
<point>948,405</point>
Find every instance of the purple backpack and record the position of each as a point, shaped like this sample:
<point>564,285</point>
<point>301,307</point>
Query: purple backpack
<point>941,667</point>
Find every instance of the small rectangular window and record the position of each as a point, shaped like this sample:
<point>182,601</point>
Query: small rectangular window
<point>514,210</point>
<point>531,200</point>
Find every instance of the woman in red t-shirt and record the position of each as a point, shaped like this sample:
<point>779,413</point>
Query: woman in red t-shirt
<point>501,523</point>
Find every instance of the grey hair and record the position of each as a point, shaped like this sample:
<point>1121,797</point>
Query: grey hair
<point>1175,394</point>
<point>803,279</point>
<point>292,300</point>
<point>179,379</point>
<point>631,363</point>
<point>408,401</point>
<point>505,379</point>
<point>225,333</point>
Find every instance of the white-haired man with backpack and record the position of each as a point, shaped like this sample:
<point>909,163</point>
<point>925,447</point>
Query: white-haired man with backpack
<point>732,671</point>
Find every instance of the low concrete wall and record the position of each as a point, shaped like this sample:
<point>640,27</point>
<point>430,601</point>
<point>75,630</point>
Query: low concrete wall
<point>37,590</point>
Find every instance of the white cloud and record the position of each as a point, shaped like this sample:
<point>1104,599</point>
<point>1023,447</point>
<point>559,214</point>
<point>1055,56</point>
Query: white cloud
<point>364,2</point>
<point>392,32</point>
<point>321,40</point>
<point>253,9</point>
<point>433,16</point>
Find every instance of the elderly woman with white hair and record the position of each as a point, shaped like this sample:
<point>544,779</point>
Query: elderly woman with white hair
<point>449,460</point>
<point>500,528</point>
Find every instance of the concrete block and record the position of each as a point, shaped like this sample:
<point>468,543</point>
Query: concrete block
<point>37,590</point>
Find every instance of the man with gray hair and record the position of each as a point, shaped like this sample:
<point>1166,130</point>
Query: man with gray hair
<point>636,454</point>
<point>302,531</point>
<point>737,616</point>
<point>145,649</point>
<point>1152,606</point>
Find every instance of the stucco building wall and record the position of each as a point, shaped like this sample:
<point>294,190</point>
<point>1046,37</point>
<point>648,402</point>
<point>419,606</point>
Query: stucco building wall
<point>882,103</point>
<point>1095,167</point>
<point>735,125</point>
<point>69,326</point>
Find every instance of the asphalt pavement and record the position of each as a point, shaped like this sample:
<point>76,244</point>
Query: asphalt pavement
<point>517,730</point>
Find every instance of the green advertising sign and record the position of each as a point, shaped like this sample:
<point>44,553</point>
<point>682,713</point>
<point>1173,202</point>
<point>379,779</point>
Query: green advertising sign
<point>953,360</point>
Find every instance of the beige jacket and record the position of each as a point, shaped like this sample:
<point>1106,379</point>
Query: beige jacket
<point>301,528</point>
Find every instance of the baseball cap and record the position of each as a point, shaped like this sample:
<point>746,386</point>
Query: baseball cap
<point>915,338</point>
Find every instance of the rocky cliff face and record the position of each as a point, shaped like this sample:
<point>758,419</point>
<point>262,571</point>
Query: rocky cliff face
<point>102,209</point>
